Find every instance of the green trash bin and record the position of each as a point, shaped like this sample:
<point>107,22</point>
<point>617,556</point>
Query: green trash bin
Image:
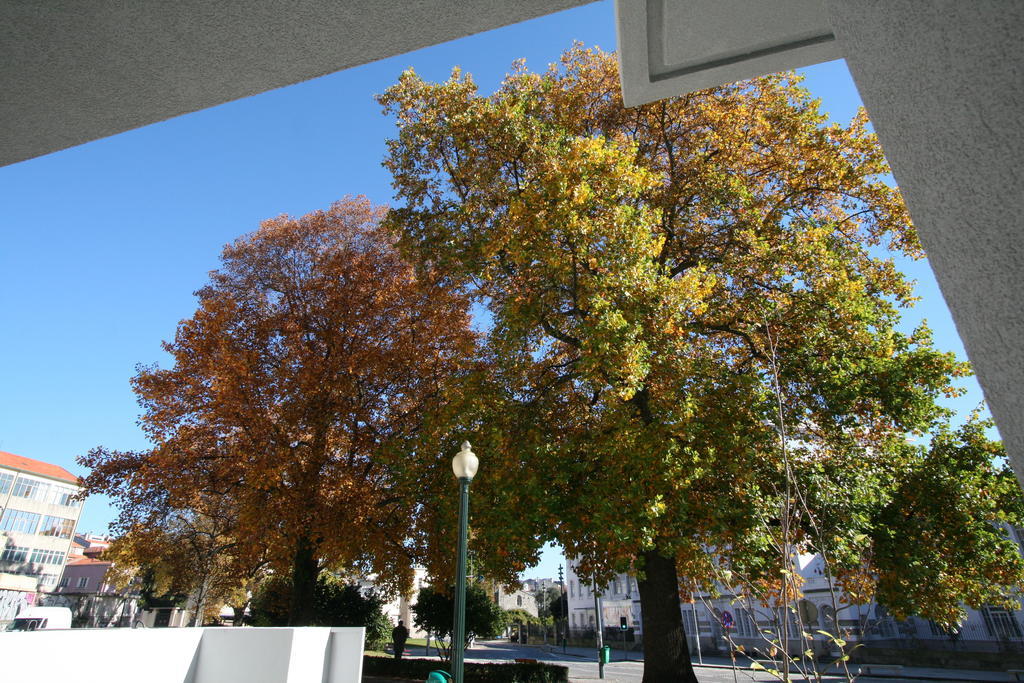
<point>606,654</point>
<point>439,676</point>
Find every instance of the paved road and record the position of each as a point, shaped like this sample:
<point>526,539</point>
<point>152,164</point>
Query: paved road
<point>583,667</point>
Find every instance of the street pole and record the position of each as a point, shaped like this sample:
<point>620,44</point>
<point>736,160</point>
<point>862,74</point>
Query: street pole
<point>600,627</point>
<point>696,634</point>
<point>459,638</point>
<point>464,465</point>
<point>565,616</point>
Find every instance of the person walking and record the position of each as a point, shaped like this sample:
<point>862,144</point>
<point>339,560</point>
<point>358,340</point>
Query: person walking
<point>399,635</point>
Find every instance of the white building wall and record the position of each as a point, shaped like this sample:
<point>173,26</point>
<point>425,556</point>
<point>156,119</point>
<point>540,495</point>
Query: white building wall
<point>620,598</point>
<point>44,504</point>
<point>400,608</point>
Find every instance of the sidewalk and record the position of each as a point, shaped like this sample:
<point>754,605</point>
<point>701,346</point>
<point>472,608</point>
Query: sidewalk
<point>914,673</point>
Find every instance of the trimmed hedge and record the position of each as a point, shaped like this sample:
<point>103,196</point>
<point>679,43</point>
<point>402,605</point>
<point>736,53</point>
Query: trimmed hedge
<point>419,669</point>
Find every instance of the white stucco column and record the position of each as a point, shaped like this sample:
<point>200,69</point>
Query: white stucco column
<point>943,81</point>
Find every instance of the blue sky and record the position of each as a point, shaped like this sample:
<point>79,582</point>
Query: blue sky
<point>104,244</point>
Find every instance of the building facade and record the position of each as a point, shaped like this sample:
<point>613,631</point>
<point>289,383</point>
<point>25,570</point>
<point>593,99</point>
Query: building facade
<point>619,600</point>
<point>401,608</point>
<point>518,599</point>
<point>93,601</point>
<point>538,585</point>
<point>39,511</point>
<point>712,623</point>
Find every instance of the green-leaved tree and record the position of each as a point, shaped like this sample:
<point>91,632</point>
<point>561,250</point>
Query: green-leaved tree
<point>648,273</point>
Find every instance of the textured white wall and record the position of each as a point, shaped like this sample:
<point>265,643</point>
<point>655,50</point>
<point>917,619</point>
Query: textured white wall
<point>943,81</point>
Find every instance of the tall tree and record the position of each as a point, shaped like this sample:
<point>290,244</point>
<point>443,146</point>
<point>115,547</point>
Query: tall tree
<point>314,354</point>
<point>641,267</point>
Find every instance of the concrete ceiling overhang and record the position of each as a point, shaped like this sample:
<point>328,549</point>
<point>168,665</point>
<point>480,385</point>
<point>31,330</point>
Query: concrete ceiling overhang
<point>75,71</point>
<point>668,47</point>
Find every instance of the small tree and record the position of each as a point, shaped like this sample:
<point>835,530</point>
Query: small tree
<point>435,610</point>
<point>548,602</point>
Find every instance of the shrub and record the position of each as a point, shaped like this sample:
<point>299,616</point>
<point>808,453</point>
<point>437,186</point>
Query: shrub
<point>418,669</point>
<point>335,604</point>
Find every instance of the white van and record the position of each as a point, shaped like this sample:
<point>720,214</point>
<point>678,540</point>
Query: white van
<point>41,619</point>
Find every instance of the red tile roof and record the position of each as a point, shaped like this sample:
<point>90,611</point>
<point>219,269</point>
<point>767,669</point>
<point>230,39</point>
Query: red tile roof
<point>43,469</point>
<point>88,560</point>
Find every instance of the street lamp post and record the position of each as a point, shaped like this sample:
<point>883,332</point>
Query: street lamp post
<point>600,629</point>
<point>563,613</point>
<point>464,465</point>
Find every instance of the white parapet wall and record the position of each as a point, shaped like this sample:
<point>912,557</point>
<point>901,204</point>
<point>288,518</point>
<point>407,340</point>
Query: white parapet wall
<point>185,655</point>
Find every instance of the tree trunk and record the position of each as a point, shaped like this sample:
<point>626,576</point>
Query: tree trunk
<point>305,570</point>
<point>197,618</point>
<point>666,652</point>
<point>239,614</point>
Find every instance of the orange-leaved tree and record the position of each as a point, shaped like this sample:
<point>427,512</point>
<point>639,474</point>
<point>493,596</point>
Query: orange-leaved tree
<point>315,353</point>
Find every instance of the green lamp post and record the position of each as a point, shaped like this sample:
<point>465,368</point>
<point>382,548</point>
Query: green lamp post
<point>464,465</point>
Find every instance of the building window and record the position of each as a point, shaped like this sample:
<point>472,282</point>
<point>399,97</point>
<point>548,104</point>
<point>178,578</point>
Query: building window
<point>31,489</point>
<point>1000,623</point>
<point>885,625</point>
<point>62,495</point>
<point>63,582</point>
<point>519,600</point>
<point>57,526</point>
<point>47,557</point>
<point>745,626</point>
<point>83,582</point>
<point>794,625</point>
<point>943,631</point>
<point>828,620</point>
<point>47,579</point>
<point>19,520</point>
<point>14,553</point>
<point>6,479</point>
<point>688,615</point>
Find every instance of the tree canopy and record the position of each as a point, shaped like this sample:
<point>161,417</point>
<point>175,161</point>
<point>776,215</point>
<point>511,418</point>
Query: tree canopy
<point>669,287</point>
<point>313,356</point>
